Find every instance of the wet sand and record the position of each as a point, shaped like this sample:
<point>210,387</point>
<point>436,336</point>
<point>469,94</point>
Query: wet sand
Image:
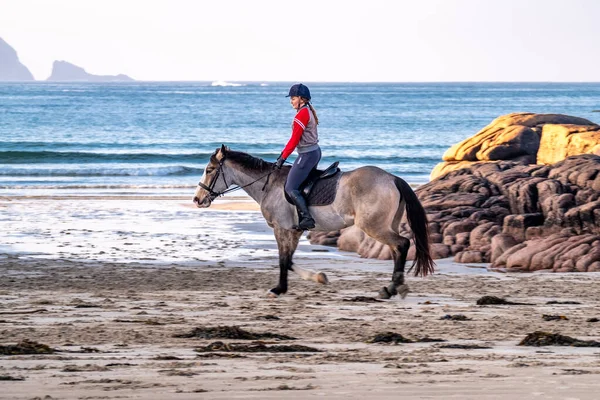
<point>116,328</point>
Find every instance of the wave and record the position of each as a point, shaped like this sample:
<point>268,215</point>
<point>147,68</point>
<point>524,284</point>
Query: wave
<point>92,186</point>
<point>104,171</point>
<point>223,83</point>
<point>74,157</point>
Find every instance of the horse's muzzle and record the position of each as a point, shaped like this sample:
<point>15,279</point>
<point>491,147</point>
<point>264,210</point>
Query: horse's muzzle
<point>204,203</point>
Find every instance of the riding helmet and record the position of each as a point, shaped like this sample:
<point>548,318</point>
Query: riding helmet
<point>299,90</point>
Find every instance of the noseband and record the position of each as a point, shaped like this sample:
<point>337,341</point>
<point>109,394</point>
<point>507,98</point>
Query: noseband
<point>210,188</point>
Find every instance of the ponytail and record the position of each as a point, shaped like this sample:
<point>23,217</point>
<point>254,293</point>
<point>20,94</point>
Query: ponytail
<point>313,111</point>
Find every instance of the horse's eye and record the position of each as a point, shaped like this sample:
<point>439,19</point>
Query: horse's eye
<point>209,170</point>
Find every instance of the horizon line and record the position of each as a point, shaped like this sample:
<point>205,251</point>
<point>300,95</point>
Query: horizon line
<point>287,82</point>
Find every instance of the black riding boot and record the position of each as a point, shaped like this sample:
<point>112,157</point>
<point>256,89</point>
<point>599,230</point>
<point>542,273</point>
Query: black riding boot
<point>306,220</point>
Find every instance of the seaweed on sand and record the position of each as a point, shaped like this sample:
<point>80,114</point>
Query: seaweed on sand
<point>456,317</point>
<point>547,317</point>
<point>396,338</point>
<point>389,337</point>
<point>493,300</point>
<point>229,332</point>
<point>363,299</point>
<point>25,347</point>
<point>255,347</point>
<point>539,338</point>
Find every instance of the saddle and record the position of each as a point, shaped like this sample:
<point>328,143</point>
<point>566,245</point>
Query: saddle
<point>320,188</point>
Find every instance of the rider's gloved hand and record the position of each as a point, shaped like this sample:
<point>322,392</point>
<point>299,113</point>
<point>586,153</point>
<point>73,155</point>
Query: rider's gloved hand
<point>279,163</point>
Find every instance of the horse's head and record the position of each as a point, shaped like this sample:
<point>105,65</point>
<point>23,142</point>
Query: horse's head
<point>213,180</point>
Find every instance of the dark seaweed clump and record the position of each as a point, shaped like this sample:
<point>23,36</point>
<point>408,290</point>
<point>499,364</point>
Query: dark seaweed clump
<point>363,299</point>
<point>11,378</point>
<point>396,338</point>
<point>456,317</point>
<point>539,338</point>
<point>547,317</point>
<point>389,337</point>
<point>493,300</point>
<point>229,332</point>
<point>256,347</point>
<point>25,347</point>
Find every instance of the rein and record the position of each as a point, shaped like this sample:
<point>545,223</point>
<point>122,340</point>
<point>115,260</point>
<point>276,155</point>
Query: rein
<point>214,194</point>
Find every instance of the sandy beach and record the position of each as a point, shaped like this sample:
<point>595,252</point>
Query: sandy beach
<point>150,298</point>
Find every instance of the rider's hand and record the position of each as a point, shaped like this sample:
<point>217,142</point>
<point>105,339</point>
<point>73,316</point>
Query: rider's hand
<point>279,162</point>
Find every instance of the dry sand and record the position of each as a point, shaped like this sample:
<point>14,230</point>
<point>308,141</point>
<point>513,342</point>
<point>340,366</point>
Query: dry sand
<point>113,327</point>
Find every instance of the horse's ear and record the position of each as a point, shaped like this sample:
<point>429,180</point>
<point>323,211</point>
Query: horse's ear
<point>220,153</point>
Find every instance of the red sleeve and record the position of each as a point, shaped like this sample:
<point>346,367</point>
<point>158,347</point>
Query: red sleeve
<point>300,121</point>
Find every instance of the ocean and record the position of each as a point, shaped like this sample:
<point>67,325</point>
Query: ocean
<point>156,137</point>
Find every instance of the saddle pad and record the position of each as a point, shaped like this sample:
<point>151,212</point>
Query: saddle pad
<point>323,191</point>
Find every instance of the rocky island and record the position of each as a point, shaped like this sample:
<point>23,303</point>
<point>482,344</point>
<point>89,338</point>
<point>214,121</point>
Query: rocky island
<point>63,71</point>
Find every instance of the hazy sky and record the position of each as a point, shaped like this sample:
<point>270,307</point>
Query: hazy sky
<point>322,40</point>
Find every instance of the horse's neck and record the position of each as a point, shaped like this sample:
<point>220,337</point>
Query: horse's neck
<point>242,177</point>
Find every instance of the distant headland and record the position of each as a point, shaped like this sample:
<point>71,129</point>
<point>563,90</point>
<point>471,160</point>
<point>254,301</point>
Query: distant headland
<point>12,70</point>
<point>63,71</point>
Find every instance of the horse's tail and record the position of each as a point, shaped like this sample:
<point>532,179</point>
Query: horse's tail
<point>417,219</point>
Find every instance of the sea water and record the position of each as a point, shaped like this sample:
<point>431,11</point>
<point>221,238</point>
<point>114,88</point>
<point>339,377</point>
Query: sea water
<point>156,137</point>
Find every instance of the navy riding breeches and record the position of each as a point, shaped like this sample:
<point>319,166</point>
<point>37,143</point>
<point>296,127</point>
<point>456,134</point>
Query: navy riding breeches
<point>301,168</point>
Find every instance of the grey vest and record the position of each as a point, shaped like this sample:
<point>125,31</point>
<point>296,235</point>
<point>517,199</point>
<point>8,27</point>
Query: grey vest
<point>310,138</point>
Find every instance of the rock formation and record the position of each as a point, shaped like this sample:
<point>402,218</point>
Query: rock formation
<point>11,68</point>
<point>525,138</point>
<point>67,72</point>
<point>516,216</point>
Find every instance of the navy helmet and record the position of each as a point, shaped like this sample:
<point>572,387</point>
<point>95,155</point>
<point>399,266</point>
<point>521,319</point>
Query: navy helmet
<point>299,90</point>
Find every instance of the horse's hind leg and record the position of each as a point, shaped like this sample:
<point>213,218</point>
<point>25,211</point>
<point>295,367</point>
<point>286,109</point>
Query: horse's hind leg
<point>399,246</point>
<point>397,286</point>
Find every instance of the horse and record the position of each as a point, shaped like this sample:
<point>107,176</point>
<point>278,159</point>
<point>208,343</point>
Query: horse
<point>368,197</point>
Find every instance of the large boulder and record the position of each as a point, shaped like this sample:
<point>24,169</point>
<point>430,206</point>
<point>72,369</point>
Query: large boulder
<point>524,138</point>
<point>561,141</point>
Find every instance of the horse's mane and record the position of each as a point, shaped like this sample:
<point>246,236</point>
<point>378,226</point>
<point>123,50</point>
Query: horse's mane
<point>248,161</point>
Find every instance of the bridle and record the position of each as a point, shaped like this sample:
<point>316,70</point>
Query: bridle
<point>210,188</point>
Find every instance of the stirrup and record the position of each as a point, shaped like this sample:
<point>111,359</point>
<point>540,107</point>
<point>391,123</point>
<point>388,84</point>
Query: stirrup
<point>305,224</point>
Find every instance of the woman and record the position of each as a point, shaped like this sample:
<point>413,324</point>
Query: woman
<point>306,142</point>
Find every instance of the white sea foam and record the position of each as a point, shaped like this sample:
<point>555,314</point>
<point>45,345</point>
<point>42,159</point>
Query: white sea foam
<point>160,231</point>
<point>175,92</point>
<point>223,83</point>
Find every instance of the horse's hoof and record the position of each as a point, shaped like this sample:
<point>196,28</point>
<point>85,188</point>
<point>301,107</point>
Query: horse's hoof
<point>322,278</point>
<point>272,295</point>
<point>384,293</point>
<point>402,291</point>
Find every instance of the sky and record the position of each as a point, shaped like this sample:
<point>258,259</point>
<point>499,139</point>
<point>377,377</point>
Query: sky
<point>310,41</point>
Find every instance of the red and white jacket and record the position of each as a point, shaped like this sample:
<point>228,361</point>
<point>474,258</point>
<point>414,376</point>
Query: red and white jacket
<point>304,133</point>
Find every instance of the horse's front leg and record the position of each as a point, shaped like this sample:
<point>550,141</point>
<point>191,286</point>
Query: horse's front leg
<point>287,242</point>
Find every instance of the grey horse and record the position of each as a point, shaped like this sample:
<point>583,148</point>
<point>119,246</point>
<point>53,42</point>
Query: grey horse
<point>368,197</point>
